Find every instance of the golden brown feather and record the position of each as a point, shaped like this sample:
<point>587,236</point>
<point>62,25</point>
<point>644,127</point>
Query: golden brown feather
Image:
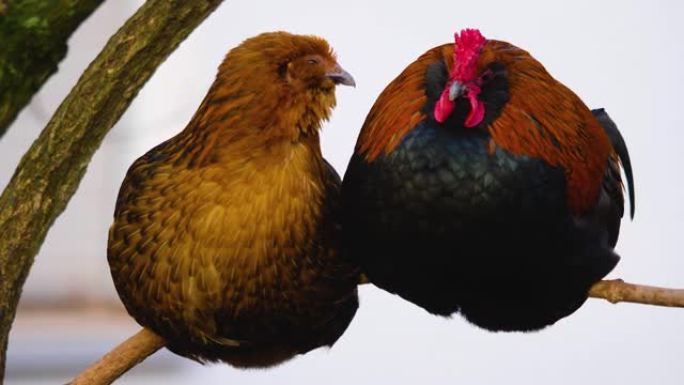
<point>224,239</point>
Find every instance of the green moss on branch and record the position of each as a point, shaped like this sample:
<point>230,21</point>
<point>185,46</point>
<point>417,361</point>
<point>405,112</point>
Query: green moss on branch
<point>33,40</point>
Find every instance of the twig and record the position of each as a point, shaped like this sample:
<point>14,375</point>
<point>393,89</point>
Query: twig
<point>617,290</point>
<point>144,343</point>
<point>121,359</point>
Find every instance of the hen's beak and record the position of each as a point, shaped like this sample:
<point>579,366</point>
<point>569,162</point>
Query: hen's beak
<point>338,75</point>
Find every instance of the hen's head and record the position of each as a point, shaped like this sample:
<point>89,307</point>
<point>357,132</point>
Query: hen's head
<point>311,64</point>
<point>464,80</point>
<point>277,83</point>
<point>285,59</point>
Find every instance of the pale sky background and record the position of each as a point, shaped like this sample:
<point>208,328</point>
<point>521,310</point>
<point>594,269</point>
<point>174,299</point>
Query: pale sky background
<point>626,56</point>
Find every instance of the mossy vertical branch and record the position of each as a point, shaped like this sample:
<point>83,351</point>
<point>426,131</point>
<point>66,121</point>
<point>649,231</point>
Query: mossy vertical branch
<point>51,170</point>
<point>33,40</point>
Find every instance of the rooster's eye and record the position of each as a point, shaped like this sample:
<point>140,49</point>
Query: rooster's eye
<point>487,76</point>
<point>312,61</point>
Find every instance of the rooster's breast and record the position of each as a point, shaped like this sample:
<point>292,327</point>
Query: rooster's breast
<point>443,203</point>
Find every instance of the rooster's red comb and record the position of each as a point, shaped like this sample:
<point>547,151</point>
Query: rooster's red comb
<point>468,45</point>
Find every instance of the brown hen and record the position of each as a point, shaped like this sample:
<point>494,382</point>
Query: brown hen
<point>225,237</point>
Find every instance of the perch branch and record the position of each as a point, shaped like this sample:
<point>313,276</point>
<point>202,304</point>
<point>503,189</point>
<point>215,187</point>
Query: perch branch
<point>617,290</point>
<point>121,359</point>
<point>141,345</point>
<point>49,173</point>
<point>33,40</point>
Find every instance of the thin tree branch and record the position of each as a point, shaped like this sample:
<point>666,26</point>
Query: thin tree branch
<point>33,40</point>
<point>121,359</point>
<point>140,346</point>
<point>49,173</point>
<point>617,290</point>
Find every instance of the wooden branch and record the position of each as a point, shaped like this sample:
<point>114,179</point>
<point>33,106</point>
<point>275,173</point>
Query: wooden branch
<point>51,170</point>
<point>140,346</point>
<point>121,359</point>
<point>33,40</point>
<point>617,290</point>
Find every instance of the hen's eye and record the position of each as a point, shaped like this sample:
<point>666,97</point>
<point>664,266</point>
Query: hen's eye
<point>312,61</point>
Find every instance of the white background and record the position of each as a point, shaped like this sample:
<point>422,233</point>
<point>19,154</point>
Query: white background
<point>626,56</point>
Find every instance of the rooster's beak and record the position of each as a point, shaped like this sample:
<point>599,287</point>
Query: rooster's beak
<point>338,75</point>
<point>455,90</point>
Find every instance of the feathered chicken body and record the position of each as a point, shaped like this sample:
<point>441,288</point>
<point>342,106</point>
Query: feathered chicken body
<point>225,238</point>
<point>480,184</point>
